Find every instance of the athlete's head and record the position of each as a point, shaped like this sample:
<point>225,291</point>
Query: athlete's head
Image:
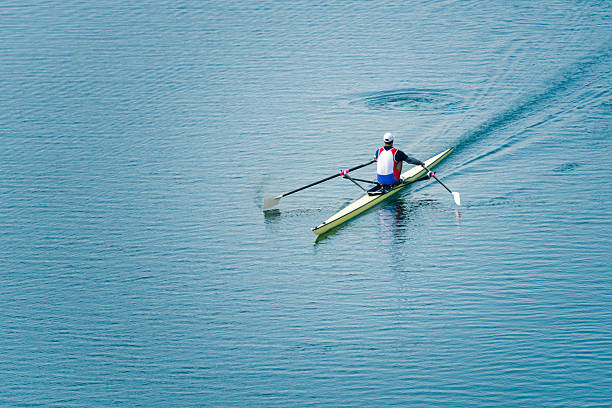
<point>388,138</point>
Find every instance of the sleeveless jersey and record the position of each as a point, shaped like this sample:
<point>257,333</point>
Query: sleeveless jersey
<point>386,166</point>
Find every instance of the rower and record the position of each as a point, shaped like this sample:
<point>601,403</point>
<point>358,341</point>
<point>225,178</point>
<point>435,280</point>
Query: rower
<point>389,166</point>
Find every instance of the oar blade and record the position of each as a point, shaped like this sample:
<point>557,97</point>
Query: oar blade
<point>457,198</point>
<point>271,201</point>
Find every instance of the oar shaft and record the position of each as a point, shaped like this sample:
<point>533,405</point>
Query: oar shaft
<point>455,195</point>
<point>327,178</point>
<point>443,185</point>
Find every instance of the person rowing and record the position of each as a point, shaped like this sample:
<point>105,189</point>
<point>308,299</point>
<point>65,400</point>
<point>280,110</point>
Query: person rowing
<point>389,162</point>
<point>389,170</point>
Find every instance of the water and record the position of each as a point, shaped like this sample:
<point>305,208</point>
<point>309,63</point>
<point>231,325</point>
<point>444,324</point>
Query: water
<point>139,139</point>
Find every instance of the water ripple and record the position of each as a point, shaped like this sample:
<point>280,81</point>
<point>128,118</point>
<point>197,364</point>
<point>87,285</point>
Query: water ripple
<point>413,100</point>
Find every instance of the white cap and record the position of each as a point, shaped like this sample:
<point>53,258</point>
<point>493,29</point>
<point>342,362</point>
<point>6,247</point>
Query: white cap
<point>388,137</point>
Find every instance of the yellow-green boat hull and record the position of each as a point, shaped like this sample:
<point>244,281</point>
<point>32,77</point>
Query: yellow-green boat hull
<point>366,202</point>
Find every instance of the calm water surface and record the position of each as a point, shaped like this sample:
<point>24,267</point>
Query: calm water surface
<point>139,139</point>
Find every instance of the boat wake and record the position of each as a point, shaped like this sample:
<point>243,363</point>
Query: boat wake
<point>568,90</point>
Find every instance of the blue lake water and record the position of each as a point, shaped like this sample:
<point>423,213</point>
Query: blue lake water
<point>138,139</point>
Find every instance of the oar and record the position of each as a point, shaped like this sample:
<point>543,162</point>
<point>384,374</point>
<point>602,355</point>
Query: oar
<point>271,201</point>
<point>455,194</point>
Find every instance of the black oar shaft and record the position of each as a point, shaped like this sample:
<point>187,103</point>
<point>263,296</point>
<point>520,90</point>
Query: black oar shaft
<point>437,179</point>
<point>443,185</point>
<point>327,178</point>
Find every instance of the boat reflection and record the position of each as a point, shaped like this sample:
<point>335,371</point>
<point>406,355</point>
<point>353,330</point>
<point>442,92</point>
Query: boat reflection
<point>397,219</point>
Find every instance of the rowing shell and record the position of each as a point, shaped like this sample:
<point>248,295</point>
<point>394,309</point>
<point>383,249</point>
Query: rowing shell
<point>367,201</point>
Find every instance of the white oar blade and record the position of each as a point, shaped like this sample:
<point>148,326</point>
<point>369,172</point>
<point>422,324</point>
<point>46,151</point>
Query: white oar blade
<point>271,201</point>
<point>457,198</point>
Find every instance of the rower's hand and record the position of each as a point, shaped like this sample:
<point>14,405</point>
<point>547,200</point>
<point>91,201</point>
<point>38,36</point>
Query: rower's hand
<point>422,164</point>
